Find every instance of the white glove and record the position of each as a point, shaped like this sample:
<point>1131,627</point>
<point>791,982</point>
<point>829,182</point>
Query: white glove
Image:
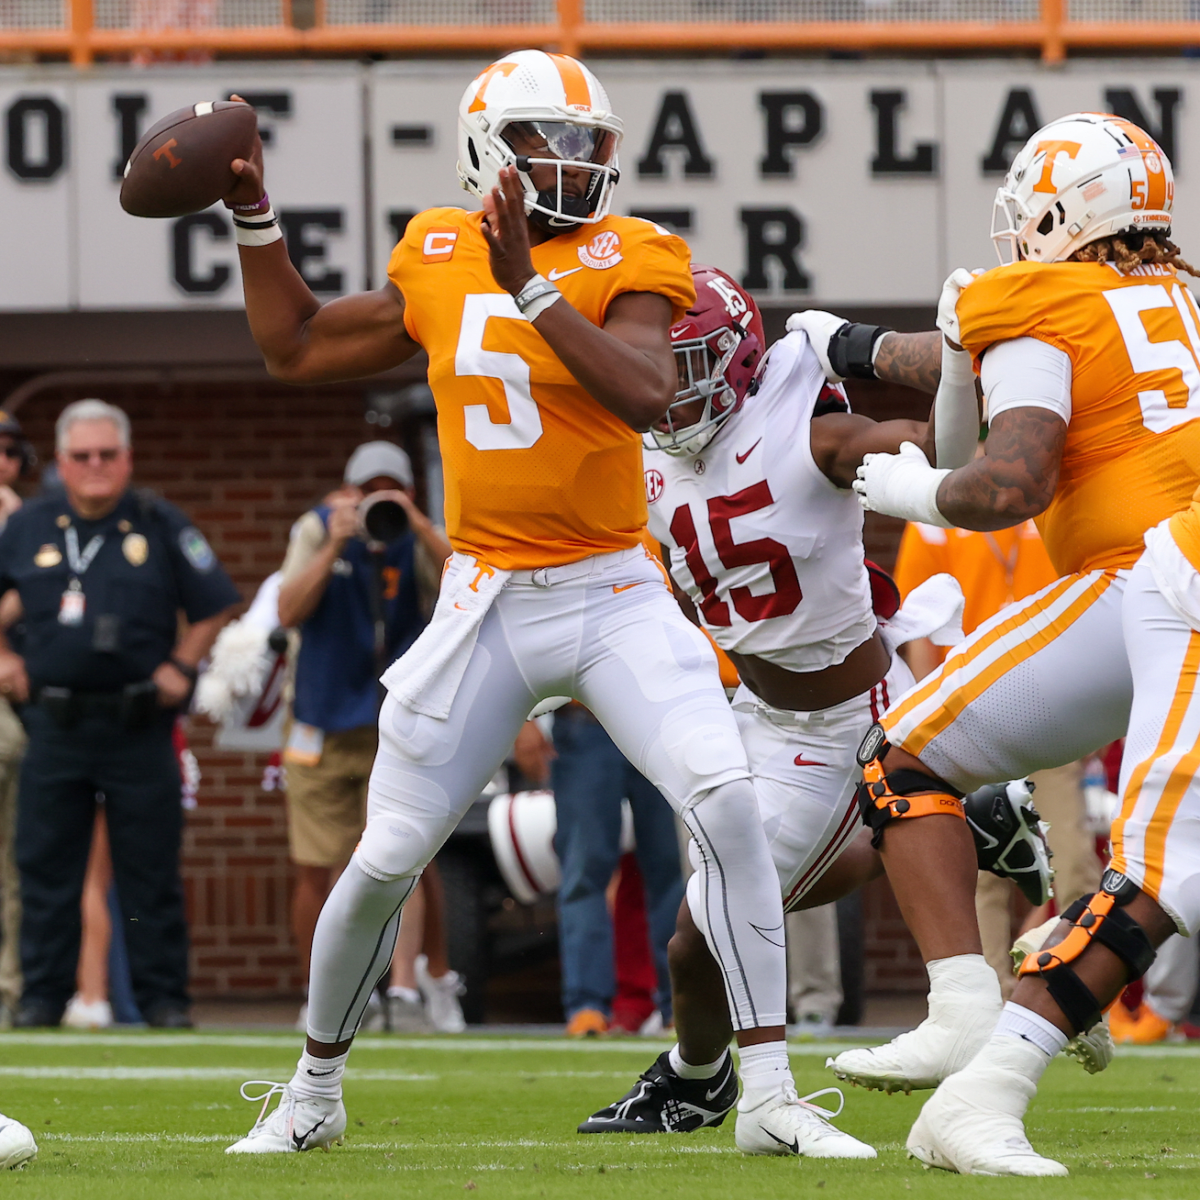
<point>947,318</point>
<point>901,485</point>
<point>820,327</point>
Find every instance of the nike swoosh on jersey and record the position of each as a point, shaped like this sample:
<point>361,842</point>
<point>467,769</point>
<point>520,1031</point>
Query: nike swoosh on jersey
<point>801,761</point>
<point>624,587</point>
<point>554,275</point>
<point>742,457</point>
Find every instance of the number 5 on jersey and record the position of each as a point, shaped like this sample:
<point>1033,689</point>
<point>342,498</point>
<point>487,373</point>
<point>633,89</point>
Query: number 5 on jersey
<point>524,426</point>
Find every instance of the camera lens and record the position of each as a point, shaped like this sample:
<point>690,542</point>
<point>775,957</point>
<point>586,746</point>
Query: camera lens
<point>384,519</point>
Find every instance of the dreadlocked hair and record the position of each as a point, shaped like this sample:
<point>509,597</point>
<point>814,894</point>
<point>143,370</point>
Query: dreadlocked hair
<point>1133,248</point>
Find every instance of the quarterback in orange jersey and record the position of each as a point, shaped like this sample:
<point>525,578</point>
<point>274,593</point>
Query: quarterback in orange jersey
<point>1088,348</point>
<point>546,323</point>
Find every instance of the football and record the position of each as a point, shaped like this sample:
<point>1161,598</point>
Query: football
<point>181,166</point>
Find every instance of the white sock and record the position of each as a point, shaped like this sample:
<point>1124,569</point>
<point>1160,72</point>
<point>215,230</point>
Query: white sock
<point>963,975</point>
<point>687,1070</point>
<point>1016,1021</point>
<point>403,993</point>
<point>765,1072</point>
<point>319,1077</point>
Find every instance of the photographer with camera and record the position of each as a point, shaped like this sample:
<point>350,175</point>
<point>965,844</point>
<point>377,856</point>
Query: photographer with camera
<point>359,583</point>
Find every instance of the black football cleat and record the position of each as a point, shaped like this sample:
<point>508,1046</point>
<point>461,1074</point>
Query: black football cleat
<point>1010,837</point>
<point>661,1102</point>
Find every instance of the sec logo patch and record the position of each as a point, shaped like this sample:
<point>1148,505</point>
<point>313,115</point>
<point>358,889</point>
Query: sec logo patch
<point>654,485</point>
<point>602,252</point>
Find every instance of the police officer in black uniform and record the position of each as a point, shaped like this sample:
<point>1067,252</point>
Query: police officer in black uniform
<point>103,572</point>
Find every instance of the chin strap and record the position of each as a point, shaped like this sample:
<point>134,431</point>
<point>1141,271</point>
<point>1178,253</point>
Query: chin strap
<point>1100,917</point>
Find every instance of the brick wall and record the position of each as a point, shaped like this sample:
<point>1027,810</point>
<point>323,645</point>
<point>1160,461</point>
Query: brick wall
<point>244,460</point>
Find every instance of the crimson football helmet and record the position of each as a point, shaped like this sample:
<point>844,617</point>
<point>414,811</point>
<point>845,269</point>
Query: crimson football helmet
<point>717,345</point>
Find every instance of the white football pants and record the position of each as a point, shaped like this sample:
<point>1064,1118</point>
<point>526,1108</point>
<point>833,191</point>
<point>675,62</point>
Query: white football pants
<point>607,632</point>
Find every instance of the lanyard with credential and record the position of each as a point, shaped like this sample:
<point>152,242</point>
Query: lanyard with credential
<point>1008,562</point>
<point>71,608</point>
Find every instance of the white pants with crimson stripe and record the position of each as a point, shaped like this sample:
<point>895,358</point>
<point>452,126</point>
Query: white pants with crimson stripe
<point>1044,682</point>
<point>1156,838</point>
<point>806,776</point>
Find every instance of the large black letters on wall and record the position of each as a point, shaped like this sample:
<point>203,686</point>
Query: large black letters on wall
<point>792,119</point>
<point>1124,102</point>
<point>303,230</point>
<point>128,110</point>
<point>888,161</point>
<point>1018,121</point>
<point>182,244</point>
<point>23,160</point>
<point>773,233</point>
<point>675,128</point>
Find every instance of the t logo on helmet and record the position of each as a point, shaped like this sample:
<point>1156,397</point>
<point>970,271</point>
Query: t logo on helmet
<point>498,68</point>
<point>1052,150</point>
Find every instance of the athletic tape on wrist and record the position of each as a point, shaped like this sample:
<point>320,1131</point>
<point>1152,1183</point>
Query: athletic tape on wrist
<point>261,229</point>
<point>536,296</point>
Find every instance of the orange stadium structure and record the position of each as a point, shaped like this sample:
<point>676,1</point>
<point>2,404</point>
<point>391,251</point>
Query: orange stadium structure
<point>84,30</point>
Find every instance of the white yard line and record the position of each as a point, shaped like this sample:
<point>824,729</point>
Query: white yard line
<point>196,1073</point>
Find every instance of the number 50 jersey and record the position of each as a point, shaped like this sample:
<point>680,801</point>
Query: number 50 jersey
<point>769,550</point>
<point>1132,454</point>
<point>537,472</point>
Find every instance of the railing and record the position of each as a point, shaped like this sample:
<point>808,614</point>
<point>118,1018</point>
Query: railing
<point>84,30</point>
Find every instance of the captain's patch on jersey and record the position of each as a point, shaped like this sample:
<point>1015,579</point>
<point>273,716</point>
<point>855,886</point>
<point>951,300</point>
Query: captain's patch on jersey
<point>196,549</point>
<point>439,244</point>
<point>602,252</point>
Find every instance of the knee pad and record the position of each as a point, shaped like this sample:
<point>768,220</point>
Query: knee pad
<point>390,848</point>
<point>885,796</point>
<point>1099,916</point>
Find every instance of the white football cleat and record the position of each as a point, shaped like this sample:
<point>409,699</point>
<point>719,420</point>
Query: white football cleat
<point>789,1124</point>
<point>1094,1049</point>
<point>83,1014</point>
<point>974,1122</point>
<point>17,1146</point>
<point>298,1122</point>
<point>960,1022</point>
<point>442,1008</point>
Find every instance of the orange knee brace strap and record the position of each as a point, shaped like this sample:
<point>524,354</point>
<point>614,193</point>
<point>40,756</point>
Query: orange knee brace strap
<point>899,795</point>
<point>1097,917</point>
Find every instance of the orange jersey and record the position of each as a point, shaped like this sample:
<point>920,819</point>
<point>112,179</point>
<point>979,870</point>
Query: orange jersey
<point>1132,453</point>
<point>537,473</point>
<point>993,569</point>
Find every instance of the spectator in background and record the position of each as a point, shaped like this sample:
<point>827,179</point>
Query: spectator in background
<point>590,778</point>
<point>16,458</point>
<point>994,569</point>
<point>103,573</point>
<point>359,602</point>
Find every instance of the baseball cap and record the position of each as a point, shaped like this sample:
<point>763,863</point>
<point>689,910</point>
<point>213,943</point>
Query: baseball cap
<point>373,459</point>
<point>10,425</point>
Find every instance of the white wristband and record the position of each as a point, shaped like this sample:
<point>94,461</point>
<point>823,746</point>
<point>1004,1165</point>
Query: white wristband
<point>539,306</point>
<point>536,296</point>
<point>261,229</point>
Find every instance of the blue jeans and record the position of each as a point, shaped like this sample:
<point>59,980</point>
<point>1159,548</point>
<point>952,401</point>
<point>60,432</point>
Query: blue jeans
<point>590,779</point>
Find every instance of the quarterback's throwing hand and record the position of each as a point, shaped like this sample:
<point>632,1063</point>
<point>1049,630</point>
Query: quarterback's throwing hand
<point>507,232</point>
<point>901,485</point>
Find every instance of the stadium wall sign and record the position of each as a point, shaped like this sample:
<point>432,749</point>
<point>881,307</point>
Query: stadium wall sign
<point>835,183</point>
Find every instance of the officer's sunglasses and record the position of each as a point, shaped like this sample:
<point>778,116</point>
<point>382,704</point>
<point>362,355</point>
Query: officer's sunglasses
<point>86,456</point>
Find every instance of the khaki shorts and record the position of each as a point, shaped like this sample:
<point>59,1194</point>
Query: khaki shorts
<point>327,803</point>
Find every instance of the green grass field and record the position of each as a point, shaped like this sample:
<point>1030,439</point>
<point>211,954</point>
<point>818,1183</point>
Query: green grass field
<point>133,1116</point>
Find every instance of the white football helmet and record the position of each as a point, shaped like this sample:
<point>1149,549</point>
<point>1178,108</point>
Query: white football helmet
<point>540,98</point>
<point>1080,178</point>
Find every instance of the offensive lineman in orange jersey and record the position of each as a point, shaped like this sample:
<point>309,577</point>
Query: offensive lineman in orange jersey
<point>546,324</point>
<point>1088,347</point>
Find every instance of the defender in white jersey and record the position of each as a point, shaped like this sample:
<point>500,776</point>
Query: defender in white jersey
<point>753,502</point>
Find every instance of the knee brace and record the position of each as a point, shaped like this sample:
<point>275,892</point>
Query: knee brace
<point>885,796</point>
<point>1099,917</point>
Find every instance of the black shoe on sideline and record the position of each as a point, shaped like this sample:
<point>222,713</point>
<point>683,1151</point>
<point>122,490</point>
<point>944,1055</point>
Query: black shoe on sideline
<point>38,1014</point>
<point>661,1102</point>
<point>169,1016</point>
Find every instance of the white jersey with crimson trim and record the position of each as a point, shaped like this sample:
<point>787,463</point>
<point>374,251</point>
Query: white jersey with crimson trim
<point>769,550</point>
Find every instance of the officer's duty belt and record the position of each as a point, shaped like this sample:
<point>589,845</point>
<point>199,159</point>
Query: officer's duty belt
<point>134,707</point>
